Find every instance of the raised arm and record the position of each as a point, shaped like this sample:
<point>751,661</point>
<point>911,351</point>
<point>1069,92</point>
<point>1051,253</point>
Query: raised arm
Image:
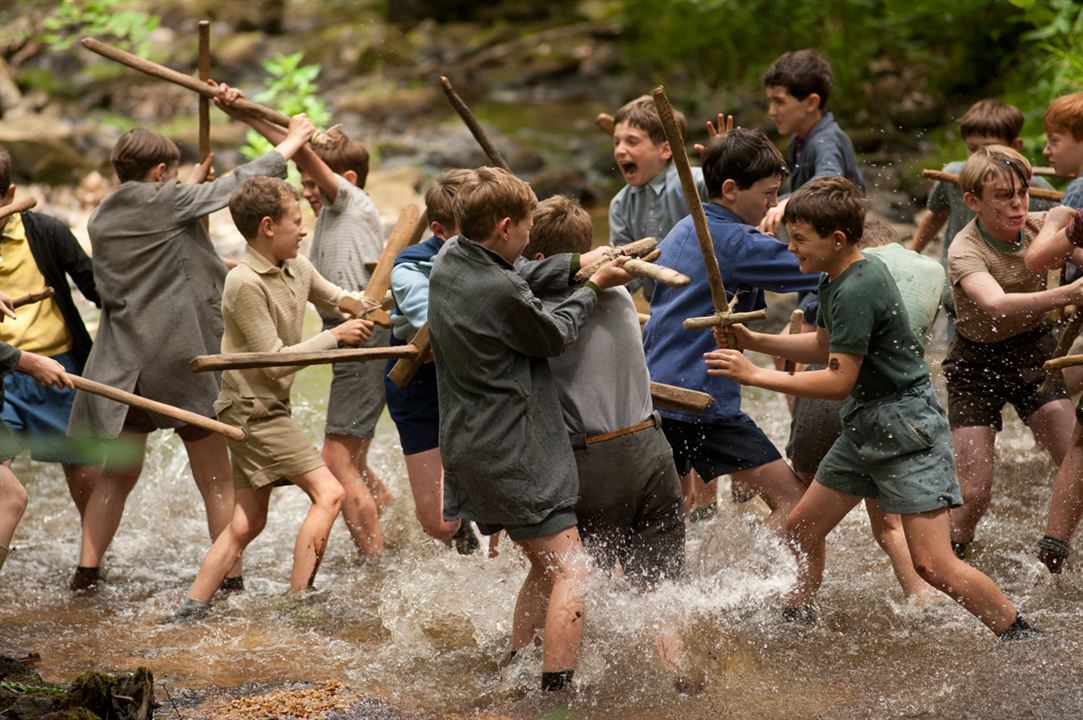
<point>1051,246</point>
<point>986,292</point>
<point>930,225</point>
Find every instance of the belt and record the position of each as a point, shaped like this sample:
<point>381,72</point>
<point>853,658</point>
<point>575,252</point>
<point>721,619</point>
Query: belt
<point>648,423</point>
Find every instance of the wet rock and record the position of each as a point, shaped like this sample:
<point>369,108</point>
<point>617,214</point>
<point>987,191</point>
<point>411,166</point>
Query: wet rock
<point>92,696</point>
<point>10,97</point>
<point>42,148</point>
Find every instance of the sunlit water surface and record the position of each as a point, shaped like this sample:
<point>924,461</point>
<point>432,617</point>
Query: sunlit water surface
<point>423,628</point>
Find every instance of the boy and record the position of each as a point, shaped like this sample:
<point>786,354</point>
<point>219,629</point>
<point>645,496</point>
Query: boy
<point>263,307</point>
<point>817,423</point>
<point>1064,143</point>
<point>987,122</point>
<point>347,238</point>
<point>39,251</point>
<point>507,460</point>
<point>160,283</point>
<point>895,442</point>
<point>652,201</point>
<point>743,172</point>
<point>1001,340</point>
<point>46,371</point>
<point>415,408</point>
<point>798,85</point>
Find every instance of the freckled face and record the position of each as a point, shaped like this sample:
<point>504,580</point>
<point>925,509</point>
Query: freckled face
<point>640,160</point>
<point>1002,207</point>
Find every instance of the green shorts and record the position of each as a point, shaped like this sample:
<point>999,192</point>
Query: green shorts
<point>896,449</point>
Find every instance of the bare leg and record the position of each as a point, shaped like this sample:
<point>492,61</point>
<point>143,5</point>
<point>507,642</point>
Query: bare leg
<point>81,480</point>
<point>426,473</point>
<point>359,453</point>
<point>326,494</point>
<point>1066,505</point>
<point>562,555</point>
<point>807,527</point>
<point>779,487</point>
<point>532,603</point>
<point>249,519</point>
<point>1052,425</point>
<point>359,510</point>
<point>888,531</point>
<point>105,506</point>
<point>13,500</point>
<point>973,447</point>
<point>211,469</point>
<point>929,535</point>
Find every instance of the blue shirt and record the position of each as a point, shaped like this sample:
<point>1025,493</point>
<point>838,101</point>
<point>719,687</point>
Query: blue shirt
<point>410,287</point>
<point>751,262</point>
<point>1073,196</point>
<point>827,150</point>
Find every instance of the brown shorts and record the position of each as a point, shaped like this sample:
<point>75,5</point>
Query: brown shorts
<point>983,377</point>
<point>139,422</point>
<point>276,449</point>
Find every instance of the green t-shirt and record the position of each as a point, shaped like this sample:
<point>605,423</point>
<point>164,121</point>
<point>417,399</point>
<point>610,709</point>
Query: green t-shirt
<point>864,314</point>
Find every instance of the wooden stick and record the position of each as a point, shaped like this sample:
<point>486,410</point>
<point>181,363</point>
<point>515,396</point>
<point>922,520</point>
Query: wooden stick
<point>21,205</point>
<point>473,124</point>
<point>185,416</point>
<point>245,361</point>
<point>727,318</point>
<point>671,397</point>
<point>635,248</point>
<point>658,273</point>
<point>605,123</point>
<point>420,228</point>
<point>1064,344</point>
<point>643,318</point>
<point>719,298</point>
<point>403,371</point>
<point>1039,193</point>
<point>34,297</point>
<point>797,319</point>
<point>380,280</point>
<point>187,81</point>
<point>204,101</point>
<point>1060,363</point>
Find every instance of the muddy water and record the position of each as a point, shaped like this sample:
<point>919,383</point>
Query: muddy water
<point>423,628</point>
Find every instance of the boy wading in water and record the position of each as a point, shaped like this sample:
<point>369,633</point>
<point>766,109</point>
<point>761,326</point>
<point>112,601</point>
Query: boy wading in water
<point>896,445</point>
<point>507,457</point>
<point>263,306</point>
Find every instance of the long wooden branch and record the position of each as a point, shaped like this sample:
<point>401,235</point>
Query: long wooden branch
<point>244,361</point>
<point>33,297</point>
<point>177,78</point>
<point>403,371</point>
<point>185,416</point>
<point>472,123</point>
<point>708,321</point>
<point>1039,193</point>
<point>1064,344</point>
<point>21,205</point>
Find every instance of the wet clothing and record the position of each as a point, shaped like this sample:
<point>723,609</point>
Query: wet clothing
<point>650,210</point>
<point>826,150</point>
<point>9,358</point>
<point>895,448</point>
<point>718,447</point>
<point>974,251</point>
<point>983,377</point>
<point>750,262</point>
<point>507,458</point>
<point>356,398</point>
<point>415,408</point>
<point>864,314</point>
<point>38,415</point>
<point>160,282</point>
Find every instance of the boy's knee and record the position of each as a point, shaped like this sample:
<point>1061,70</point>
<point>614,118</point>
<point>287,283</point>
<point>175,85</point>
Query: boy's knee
<point>332,495</point>
<point>16,499</point>
<point>246,529</point>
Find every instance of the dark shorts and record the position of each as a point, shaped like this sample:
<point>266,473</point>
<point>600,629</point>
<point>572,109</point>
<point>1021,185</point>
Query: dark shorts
<point>553,523</point>
<point>718,447</point>
<point>356,398</point>
<point>896,449</point>
<point>983,377</point>
<point>630,506</point>
<point>415,409</point>
<point>814,428</point>
<point>139,422</point>
<point>38,416</point>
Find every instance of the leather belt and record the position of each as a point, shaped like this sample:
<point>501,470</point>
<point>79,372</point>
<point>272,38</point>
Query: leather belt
<point>648,423</point>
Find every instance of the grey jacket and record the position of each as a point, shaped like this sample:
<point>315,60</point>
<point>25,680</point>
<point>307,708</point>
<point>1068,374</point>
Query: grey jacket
<point>160,282</point>
<point>507,457</point>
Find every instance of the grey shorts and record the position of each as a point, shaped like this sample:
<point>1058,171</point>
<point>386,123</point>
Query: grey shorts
<point>356,399</point>
<point>630,506</point>
<point>814,428</point>
<point>554,522</point>
<point>896,449</point>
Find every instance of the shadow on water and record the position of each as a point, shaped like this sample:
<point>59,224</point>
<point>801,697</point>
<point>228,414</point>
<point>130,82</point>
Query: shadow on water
<point>419,633</point>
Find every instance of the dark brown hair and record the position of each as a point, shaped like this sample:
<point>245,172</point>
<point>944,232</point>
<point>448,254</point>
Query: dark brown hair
<point>342,154</point>
<point>801,72</point>
<point>991,118</point>
<point>439,196</point>
<point>829,203</point>
<point>139,150</point>
<point>744,156</point>
<point>5,171</point>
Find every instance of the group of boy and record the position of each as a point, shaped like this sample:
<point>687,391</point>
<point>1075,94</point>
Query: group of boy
<point>503,429</point>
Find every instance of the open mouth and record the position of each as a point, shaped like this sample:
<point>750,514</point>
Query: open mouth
<point>628,168</point>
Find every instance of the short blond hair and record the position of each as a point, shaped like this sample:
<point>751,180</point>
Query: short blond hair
<point>987,164</point>
<point>488,196</point>
<point>561,225</point>
<point>259,197</point>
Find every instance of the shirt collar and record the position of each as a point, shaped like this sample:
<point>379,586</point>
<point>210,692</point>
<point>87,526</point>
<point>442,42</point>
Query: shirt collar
<point>13,229</point>
<point>262,265</point>
<point>658,182</point>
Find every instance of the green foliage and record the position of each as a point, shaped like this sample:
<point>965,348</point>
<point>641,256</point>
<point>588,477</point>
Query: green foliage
<point>113,19</point>
<point>290,88</point>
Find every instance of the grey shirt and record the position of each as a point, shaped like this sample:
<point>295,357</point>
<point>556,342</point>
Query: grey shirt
<point>506,454</point>
<point>160,282</point>
<point>602,379</point>
<point>348,234</point>
<point>827,150</point>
